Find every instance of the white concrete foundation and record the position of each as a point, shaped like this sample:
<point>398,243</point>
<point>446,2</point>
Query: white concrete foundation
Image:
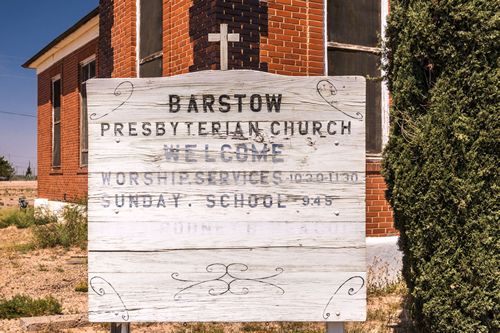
<point>383,259</point>
<point>46,206</point>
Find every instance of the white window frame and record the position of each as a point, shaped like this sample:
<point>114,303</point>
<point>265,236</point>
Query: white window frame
<point>54,79</point>
<point>83,63</point>
<point>385,90</point>
<point>88,60</point>
<point>385,96</point>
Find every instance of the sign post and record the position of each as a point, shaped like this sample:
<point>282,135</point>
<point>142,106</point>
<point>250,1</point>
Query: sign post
<point>227,196</point>
<point>120,328</point>
<point>335,327</point>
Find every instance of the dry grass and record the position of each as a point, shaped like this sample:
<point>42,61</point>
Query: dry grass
<point>35,272</point>
<point>386,303</point>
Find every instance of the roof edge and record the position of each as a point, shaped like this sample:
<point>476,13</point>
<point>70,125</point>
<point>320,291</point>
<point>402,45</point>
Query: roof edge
<point>61,37</point>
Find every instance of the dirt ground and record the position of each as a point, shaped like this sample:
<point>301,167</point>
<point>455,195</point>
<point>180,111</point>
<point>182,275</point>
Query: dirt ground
<point>11,191</point>
<point>57,271</point>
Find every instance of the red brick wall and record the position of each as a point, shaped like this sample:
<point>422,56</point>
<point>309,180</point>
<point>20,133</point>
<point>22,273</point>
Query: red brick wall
<point>69,181</point>
<point>295,41</point>
<point>379,219</point>
<point>293,45</point>
<point>177,45</point>
<point>117,38</point>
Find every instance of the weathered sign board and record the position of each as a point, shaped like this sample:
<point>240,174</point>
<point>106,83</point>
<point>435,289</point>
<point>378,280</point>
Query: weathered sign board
<point>227,196</point>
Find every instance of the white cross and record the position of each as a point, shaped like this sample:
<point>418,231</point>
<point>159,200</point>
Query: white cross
<point>223,37</point>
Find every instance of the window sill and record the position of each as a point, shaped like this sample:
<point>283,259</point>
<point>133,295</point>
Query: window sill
<point>374,157</point>
<point>56,172</point>
<point>83,170</point>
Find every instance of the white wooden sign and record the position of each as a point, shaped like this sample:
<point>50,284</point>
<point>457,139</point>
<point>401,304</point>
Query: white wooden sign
<point>227,196</point>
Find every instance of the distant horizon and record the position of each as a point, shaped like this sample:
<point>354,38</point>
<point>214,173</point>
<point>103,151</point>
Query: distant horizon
<point>22,172</point>
<point>26,29</point>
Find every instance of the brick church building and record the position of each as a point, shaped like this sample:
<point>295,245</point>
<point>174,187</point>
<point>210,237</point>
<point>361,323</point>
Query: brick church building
<point>150,38</point>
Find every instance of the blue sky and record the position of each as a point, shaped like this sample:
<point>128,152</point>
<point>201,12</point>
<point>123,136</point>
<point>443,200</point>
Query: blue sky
<point>25,28</point>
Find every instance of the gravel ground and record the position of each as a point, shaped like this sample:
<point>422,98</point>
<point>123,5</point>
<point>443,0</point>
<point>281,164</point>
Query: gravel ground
<point>56,272</point>
<point>41,273</point>
<point>12,236</point>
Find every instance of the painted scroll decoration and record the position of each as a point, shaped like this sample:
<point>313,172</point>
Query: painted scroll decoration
<point>356,283</point>
<point>97,282</point>
<point>327,90</point>
<point>125,87</point>
<point>228,281</point>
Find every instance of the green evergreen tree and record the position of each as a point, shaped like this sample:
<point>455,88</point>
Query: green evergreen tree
<point>6,169</point>
<point>442,160</point>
